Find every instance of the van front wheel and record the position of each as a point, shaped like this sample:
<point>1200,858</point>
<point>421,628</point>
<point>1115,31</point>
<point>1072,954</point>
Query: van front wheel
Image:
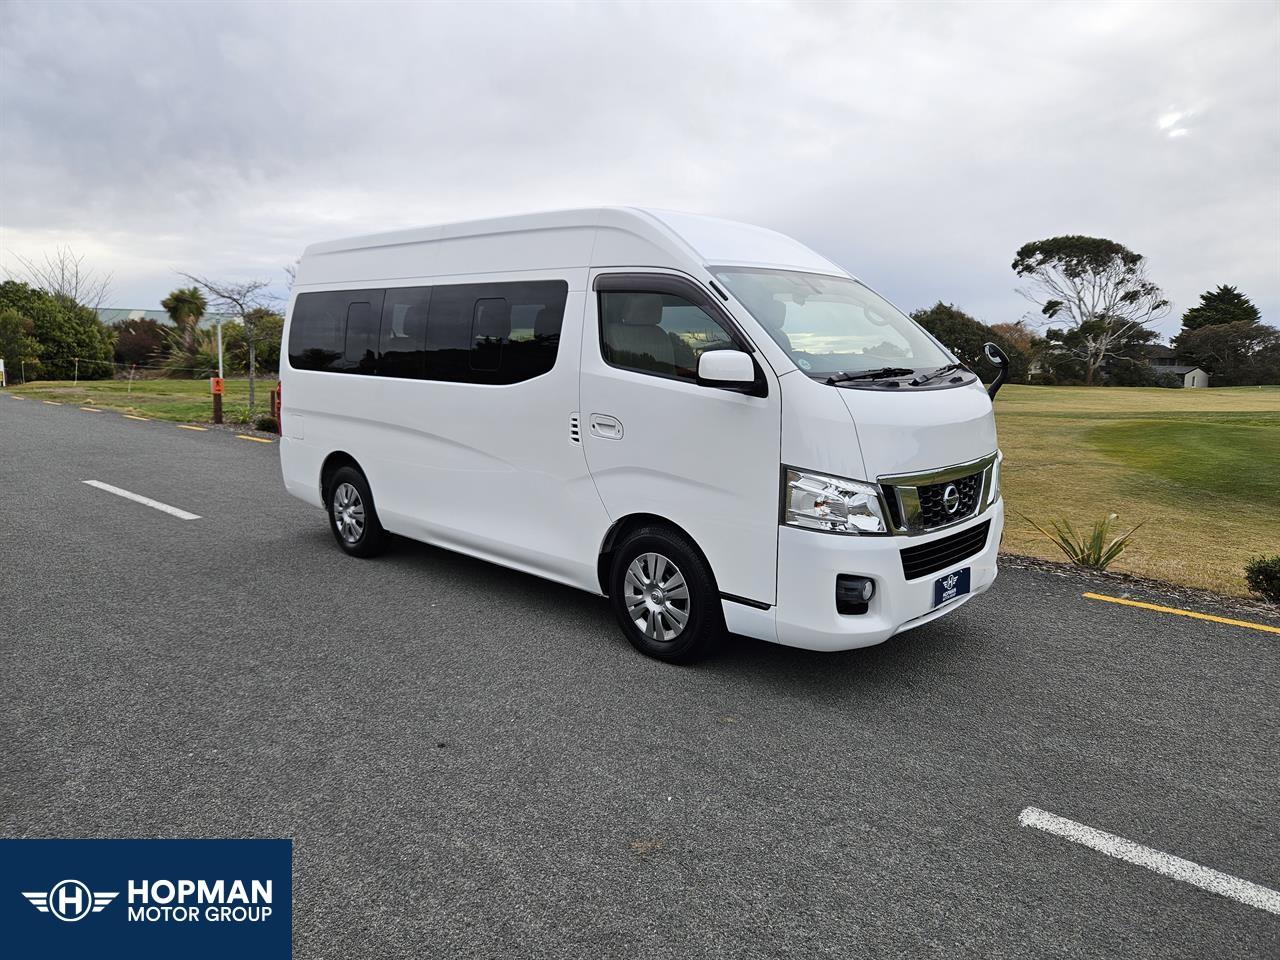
<point>352,517</point>
<point>664,596</point>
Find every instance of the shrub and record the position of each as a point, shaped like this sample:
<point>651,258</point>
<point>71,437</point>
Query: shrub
<point>190,354</point>
<point>64,331</point>
<point>1097,550</point>
<point>138,341</point>
<point>267,424</point>
<point>1262,574</point>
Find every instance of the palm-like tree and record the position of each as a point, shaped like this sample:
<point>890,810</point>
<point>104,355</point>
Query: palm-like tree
<point>185,307</point>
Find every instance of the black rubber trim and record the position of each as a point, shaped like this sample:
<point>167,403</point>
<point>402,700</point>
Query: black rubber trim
<point>745,602</point>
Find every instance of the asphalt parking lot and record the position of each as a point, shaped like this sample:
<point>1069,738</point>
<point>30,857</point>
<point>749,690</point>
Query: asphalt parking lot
<point>473,763</point>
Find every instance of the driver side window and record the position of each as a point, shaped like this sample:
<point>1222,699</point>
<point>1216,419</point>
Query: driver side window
<point>659,333</point>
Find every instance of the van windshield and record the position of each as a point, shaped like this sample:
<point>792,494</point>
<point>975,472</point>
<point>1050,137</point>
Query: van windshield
<point>832,325</point>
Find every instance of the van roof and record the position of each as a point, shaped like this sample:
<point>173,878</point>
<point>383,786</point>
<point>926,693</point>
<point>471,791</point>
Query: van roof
<point>599,236</point>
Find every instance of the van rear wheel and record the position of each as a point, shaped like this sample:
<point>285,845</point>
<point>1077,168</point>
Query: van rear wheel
<point>664,596</point>
<point>352,517</point>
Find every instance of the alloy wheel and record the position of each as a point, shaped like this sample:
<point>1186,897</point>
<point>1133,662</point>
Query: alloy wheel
<point>657,597</point>
<point>348,513</point>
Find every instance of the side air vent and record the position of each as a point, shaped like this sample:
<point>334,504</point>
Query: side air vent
<point>575,429</point>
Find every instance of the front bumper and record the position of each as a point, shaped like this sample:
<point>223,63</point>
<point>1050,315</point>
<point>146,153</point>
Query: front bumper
<point>809,561</point>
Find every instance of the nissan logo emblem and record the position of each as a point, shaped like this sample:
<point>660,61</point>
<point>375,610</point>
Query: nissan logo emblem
<point>951,498</point>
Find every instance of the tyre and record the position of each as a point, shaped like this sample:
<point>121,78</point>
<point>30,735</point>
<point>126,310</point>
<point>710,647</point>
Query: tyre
<point>353,520</point>
<point>664,596</point>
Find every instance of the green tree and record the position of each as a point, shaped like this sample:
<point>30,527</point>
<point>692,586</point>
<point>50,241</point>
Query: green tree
<point>964,336</point>
<point>268,330</point>
<point>1067,350</point>
<point>1238,353</point>
<point>66,331</point>
<point>1223,305</point>
<point>1097,288</point>
<point>19,348</point>
<point>185,307</point>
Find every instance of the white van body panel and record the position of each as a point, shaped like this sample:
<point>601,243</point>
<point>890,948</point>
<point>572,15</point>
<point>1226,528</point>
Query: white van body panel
<point>728,505</point>
<point>909,432</point>
<point>494,472</point>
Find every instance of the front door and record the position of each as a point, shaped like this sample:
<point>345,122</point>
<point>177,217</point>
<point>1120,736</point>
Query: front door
<point>704,458</point>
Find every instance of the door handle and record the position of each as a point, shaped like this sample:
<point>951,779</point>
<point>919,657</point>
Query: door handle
<point>605,427</point>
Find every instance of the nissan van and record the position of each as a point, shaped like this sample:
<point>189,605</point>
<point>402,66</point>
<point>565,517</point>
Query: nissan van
<point>708,423</point>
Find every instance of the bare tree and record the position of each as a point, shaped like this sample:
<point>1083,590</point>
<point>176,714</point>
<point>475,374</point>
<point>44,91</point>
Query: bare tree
<point>1099,288</point>
<point>64,274</point>
<point>291,271</point>
<point>243,300</point>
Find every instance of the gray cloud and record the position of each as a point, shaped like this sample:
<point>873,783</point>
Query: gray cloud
<point>918,145</point>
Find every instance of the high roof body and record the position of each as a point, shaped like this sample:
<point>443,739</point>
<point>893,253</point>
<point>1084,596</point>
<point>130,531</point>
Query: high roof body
<point>565,239</point>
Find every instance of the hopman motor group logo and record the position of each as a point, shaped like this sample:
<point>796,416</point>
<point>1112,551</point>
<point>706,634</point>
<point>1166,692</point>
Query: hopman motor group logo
<point>115,899</point>
<point>70,900</point>
<point>162,901</point>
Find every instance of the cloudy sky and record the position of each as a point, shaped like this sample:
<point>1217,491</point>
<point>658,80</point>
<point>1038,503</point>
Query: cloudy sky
<point>917,144</point>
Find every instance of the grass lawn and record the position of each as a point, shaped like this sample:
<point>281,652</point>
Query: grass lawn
<point>1201,467</point>
<point>184,401</point>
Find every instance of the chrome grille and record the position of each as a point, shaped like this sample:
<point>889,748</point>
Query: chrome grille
<point>934,499</point>
<point>938,511</point>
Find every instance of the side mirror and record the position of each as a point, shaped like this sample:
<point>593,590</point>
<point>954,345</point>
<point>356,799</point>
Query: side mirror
<point>726,368</point>
<point>1001,361</point>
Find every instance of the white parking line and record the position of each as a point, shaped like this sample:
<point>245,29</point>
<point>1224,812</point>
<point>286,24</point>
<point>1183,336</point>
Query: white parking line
<point>1222,884</point>
<point>147,501</point>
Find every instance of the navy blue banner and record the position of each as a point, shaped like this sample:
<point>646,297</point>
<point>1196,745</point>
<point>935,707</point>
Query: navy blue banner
<point>147,898</point>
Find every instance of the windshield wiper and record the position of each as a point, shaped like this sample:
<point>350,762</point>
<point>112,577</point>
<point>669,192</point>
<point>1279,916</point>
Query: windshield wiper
<point>941,371</point>
<point>881,374</point>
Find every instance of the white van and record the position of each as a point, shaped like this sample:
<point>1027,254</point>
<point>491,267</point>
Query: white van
<point>706,422</point>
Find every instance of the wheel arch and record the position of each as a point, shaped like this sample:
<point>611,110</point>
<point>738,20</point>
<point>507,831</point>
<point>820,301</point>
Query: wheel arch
<point>623,526</point>
<point>332,463</point>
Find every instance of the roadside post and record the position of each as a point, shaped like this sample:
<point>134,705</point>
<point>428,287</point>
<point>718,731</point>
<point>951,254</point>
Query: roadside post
<point>3,382</point>
<point>215,384</point>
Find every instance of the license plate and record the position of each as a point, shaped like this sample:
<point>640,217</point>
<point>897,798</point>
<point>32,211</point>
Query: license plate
<point>954,584</point>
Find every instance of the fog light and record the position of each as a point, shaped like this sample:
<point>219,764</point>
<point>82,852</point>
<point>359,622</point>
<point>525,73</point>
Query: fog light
<point>853,594</point>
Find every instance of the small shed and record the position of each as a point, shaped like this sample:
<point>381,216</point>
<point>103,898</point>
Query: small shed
<point>1190,376</point>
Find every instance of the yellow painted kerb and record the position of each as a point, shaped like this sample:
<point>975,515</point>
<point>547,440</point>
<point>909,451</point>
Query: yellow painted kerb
<point>187,426</point>
<point>245,436</point>
<point>1183,613</point>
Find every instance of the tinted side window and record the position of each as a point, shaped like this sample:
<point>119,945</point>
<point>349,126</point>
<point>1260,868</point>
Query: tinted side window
<point>449,333</point>
<point>657,333</point>
<point>403,340</point>
<point>363,320</point>
<point>318,332</point>
<point>495,333</point>
<point>490,330</point>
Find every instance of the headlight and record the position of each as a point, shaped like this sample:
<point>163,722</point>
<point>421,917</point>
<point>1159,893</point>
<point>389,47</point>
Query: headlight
<point>994,492</point>
<point>818,502</point>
